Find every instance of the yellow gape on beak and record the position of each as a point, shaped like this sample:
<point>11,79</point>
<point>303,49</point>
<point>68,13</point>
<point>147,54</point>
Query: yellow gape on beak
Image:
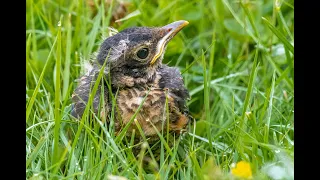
<point>171,29</point>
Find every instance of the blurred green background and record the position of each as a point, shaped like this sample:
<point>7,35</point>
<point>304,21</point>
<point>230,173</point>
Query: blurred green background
<point>236,58</point>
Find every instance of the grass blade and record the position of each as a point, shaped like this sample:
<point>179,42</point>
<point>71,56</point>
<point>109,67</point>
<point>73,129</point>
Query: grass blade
<point>34,40</point>
<point>206,99</point>
<point>66,71</point>
<point>93,34</point>
<point>237,18</point>
<point>196,166</point>
<point>246,104</point>
<point>213,82</point>
<point>36,90</point>
<point>57,115</point>
<point>269,111</point>
<point>32,156</point>
<point>282,38</point>
<point>246,10</point>
<point>285,25</point>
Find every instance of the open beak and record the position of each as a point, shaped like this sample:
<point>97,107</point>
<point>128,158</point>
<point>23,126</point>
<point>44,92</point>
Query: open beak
<point>170,31</point>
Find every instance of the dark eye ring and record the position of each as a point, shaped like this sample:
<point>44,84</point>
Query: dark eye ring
<point>143,53</point>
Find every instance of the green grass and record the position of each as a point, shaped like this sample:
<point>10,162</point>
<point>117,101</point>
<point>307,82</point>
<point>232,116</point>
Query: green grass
<point>236,58</point>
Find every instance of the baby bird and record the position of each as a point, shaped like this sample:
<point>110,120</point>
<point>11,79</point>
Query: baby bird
<point>133,65</point>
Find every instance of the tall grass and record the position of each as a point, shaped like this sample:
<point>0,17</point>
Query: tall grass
<point>236,58</point>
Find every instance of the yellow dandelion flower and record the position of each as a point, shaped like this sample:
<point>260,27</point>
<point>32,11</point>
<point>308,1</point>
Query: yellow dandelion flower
<point>242,170</point>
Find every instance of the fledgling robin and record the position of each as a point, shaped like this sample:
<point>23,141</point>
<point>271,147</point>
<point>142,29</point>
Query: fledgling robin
<point>133,62</point>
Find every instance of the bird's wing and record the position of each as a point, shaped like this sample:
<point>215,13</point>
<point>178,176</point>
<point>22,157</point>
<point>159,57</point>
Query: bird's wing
<point>81,94</point>
<point>171,78</point>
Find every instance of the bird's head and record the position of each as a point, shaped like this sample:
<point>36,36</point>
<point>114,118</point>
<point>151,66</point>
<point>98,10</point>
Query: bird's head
<point>137,52</point>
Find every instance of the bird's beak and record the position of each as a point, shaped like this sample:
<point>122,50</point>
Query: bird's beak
<point>170,31</point>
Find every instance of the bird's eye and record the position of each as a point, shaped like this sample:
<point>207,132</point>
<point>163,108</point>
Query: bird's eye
<point>143,53</point>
